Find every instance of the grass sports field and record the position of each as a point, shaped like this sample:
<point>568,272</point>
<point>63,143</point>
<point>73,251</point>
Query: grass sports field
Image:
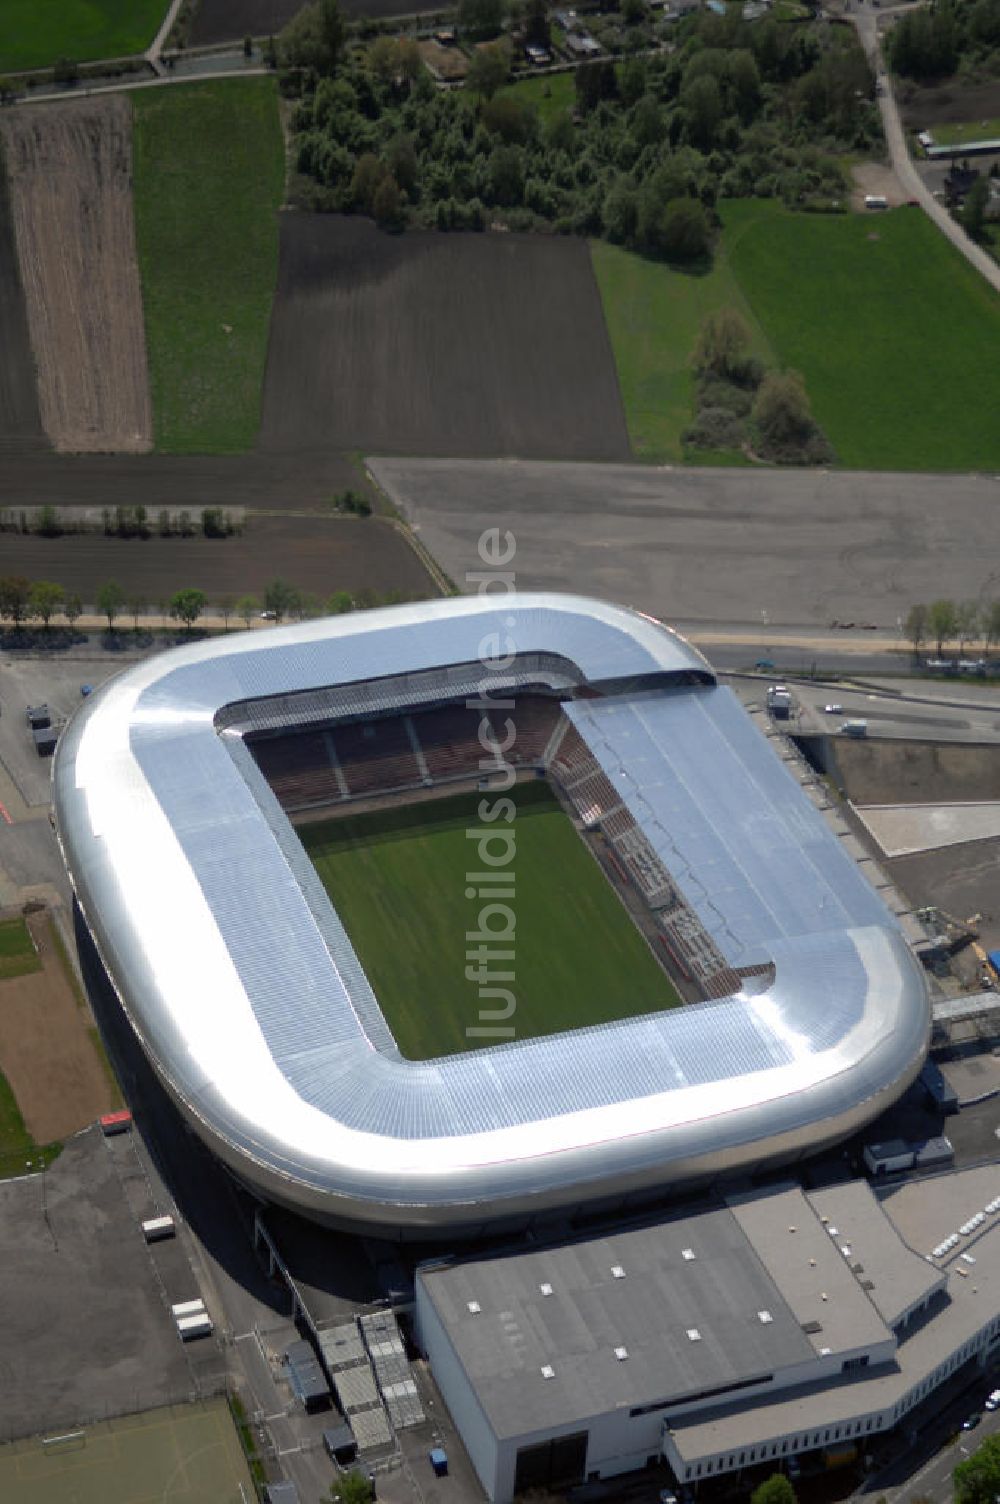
<point>209,179</point>
<point>548,95</point>
<point>653,314</point>
<point>19,1154</point>
<point>34,33</point>
<point>185,1454</point>
<point>17,951</point>
<point>397,878</point>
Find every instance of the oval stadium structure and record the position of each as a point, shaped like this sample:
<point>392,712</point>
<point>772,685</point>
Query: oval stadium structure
<point>239,979</point>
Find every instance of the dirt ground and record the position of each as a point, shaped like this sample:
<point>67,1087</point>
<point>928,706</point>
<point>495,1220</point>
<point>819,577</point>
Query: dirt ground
<point>873,177</point>
<point>20,421</point>
<point>909,772</point>
<point>70,172</point>
<point>46,1053</point>
<point>949,103</point>
<point>318,554</point>
<point>232,20</point>
<point>424,344</point>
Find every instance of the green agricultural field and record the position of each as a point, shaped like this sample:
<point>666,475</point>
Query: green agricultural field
<point>549,94</point>
<point>189,1454</point>
<point>209,179</point>
<point>967,130</point>
<point>397,878</point>
<point>34,33</point>
<point>17,952</point>
<point>654,314</point>
<point>896,335</point>
<point>18,1150</point>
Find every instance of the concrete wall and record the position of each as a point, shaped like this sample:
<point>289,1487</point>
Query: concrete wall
<point>457,1393</point>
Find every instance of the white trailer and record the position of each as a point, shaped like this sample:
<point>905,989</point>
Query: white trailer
<point>189,1327</point>
<point>157,1228</point>
<point>187,1308</point>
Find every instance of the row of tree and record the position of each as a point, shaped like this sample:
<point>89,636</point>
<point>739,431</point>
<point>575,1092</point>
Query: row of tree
<point>960,622</point>
<point>732,109</point>
<point>23,601</point>
<point>121,522</point>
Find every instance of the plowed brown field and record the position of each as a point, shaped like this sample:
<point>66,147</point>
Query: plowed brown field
<point>70,172</point>
<point>20,424</point>
<point>428,344</point>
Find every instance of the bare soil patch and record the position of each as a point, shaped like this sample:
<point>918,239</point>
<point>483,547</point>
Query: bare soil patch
<point>898,772</point>
<point>20,420</point>
<point>949,103</point>
<point>317,554</point>
<point>873,177</point>
<point>70,171</point>
<point>46,1052</point>
<point>424,344</point>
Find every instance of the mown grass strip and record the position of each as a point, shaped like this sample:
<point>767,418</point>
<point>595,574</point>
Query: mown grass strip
<point>19,1154</point>
<point>653,314</point>
<point>18,956</point>
<point>35,33</point>
<point>209,179</point>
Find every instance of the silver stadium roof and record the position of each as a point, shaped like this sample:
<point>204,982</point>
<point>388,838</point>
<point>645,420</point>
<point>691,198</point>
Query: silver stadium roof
<point>248,997</point>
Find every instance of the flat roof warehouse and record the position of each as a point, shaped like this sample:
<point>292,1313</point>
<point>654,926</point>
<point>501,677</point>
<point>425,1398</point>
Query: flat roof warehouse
<point>293,1076</point>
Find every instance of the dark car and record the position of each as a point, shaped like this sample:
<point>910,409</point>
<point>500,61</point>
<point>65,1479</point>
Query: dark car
<point>971,1422</point>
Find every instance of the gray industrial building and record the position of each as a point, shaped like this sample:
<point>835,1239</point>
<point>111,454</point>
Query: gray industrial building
<point>777,1324</point>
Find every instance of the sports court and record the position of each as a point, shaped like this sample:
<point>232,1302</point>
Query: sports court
<point>189,1454</point>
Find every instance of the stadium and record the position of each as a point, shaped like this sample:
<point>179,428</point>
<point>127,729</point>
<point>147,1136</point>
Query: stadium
<point>453,914</point>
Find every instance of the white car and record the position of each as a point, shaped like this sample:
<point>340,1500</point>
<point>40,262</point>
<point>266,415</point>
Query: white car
<point>833,709</point>
<point>993,1401</point>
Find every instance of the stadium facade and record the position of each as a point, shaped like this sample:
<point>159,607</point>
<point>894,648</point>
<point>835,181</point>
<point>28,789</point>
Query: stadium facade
<point>245,992</point>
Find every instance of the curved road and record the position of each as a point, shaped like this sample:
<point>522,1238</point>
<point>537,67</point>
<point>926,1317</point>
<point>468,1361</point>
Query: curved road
<point>912,183</point>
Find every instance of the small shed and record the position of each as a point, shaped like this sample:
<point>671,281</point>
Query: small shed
<point>284,1492</point>
<point>45,740</point>
<point>38,716</point>
<point>340,1444</point>
<point>306,1377</point>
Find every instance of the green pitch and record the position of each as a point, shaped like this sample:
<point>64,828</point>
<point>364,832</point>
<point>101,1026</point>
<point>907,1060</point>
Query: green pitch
<point>188,1454</point>
<point>397,877</point>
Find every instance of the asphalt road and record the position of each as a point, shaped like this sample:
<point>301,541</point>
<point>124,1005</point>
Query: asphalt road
<point>711,547</point>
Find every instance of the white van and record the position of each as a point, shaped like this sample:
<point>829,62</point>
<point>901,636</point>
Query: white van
<point>876,201</point>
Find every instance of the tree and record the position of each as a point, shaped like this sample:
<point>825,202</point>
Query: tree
<point>480,20</point>
<point>15,599</point>
<point>66,71</point>
<point>916,627</point>
<point>991,625</point>
<point>722,344</point>
<point>73,609</point>
<point>967,616</point>
<point>314,38</point>
<point>46,599</point>
<point>48,522</point>
<point>677,229</point>
<point>781,409</point>
<point>505,172</point>
<point>774,1490</point>
<point>280,598</point>
<point>187,606</point>
<point>340,602</point>
<point>353,1488</point>
<point>368,174</point>
<point>136,605</point>
<point>973,212</point>
<point>702,105</point>
<point>246,608</point>
<point>226,607</point>
<point>110,600</point>
<point>387,205</point>
<point>488,70</point>
<point>977,1481</point>
<point>941,622</point>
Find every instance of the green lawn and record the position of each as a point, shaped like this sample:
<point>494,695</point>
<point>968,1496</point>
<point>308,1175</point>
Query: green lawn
<point>34,33</point>
<point>549,94</point>
<point>398,880</point>
<point>653,314</point>
<point>17,952</point>
<point>209,179</point>
<point>19,1154</point>
<point>968,130</point>
<point>896,335</point>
